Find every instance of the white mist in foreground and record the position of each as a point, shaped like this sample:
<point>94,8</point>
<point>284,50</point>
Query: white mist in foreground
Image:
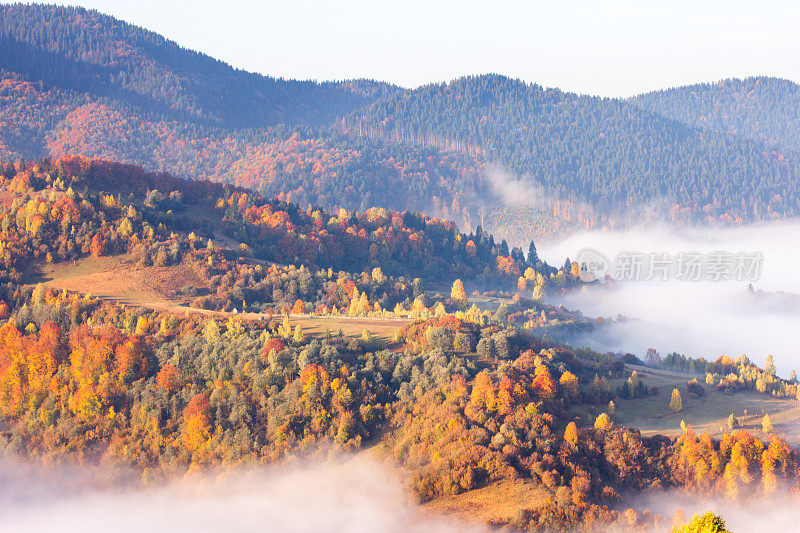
<point>776,513</point>
<point>703,318</point>
<point>359,496</point>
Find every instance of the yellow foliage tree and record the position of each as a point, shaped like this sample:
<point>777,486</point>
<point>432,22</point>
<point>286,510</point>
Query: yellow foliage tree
<point>603,422</point>
<point>544,384</point>
<point>571,434</point>
<point>675,402</point>
<point>766,424</point>
<point>568,382</point>
<point>457,292</point>
<point>141,326</point>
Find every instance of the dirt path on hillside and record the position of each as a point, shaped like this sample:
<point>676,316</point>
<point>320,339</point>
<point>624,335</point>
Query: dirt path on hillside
<point>120,280</point>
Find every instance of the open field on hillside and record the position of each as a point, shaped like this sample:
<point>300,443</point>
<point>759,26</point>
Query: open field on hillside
<point>119,279</point>
<point>652,414</point>
<point>382,328</point>
<point>495,503</point>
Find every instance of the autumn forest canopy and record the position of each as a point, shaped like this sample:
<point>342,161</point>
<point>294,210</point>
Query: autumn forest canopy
<point>461,396</point>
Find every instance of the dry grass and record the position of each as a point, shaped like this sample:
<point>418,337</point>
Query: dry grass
<point>381,328</point>
<point>496,503</point>
<point>118,279</point>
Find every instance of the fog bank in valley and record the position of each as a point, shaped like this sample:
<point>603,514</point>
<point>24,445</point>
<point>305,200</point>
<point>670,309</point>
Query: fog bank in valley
<point>359,496</point>
<point>702,318</point>
<point>776,513</point>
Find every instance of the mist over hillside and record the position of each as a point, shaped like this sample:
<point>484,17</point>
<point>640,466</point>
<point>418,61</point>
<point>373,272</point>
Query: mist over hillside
<point>296,498</point>
<point>607,153</point>
<point>704,318</point>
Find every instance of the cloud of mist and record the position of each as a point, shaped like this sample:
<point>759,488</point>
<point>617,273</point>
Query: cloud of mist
<point>512,191</point>
<point>703,318</point>
<point>776,513</point>
<point>360,495</point>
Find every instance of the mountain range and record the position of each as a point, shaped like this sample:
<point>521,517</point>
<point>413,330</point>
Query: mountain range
<point>518,158</point>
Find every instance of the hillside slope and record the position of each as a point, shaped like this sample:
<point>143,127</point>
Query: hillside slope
<point>611,154</point>
<point>759,108</point>
<point>85,51</point>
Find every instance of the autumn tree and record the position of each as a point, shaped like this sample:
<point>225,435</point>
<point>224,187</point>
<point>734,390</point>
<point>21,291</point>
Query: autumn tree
<point>196,429</point>
<point>142,325</point>
<point>675,402</point>
<point>96,247</point>
<point>211,331</point>
<point>705,523</point>
<point>769,367</point>
<point>299,307</point>
<point>168,377</point>
<point>568,383</point>
<point>766,424</point>
<point>571,434</point>
<point>298,337</point>
<point>457,292</point>
<point>543,383</point>
<point>603,422</point>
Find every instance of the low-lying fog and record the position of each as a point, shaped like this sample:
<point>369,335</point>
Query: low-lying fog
<point>359,496</point>
<point>698,318</point>
<point>776,513</point>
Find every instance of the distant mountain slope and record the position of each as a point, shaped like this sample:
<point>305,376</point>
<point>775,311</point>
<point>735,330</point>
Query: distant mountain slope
<point>280,161</point>
<point>72,48</point>
<point>606,152</point>
<point>760,108</point>
<point>520,160</point>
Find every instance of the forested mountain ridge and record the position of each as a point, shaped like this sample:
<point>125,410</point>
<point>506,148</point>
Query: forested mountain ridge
<point>603,151</point>
<point>761,108</point>
<point>85,51</point>
<point>521,160</point>
<point>77,82</point>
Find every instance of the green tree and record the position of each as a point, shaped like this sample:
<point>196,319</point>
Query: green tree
<point>462,343</point>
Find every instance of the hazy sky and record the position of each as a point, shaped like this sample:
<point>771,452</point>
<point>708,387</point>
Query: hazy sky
<point>613,48</point>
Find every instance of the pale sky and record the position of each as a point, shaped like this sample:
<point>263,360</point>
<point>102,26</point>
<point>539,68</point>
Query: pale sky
<point>610,48</point>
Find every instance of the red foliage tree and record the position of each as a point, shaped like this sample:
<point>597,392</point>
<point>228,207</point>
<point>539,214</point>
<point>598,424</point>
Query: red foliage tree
<point>96,247</point>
